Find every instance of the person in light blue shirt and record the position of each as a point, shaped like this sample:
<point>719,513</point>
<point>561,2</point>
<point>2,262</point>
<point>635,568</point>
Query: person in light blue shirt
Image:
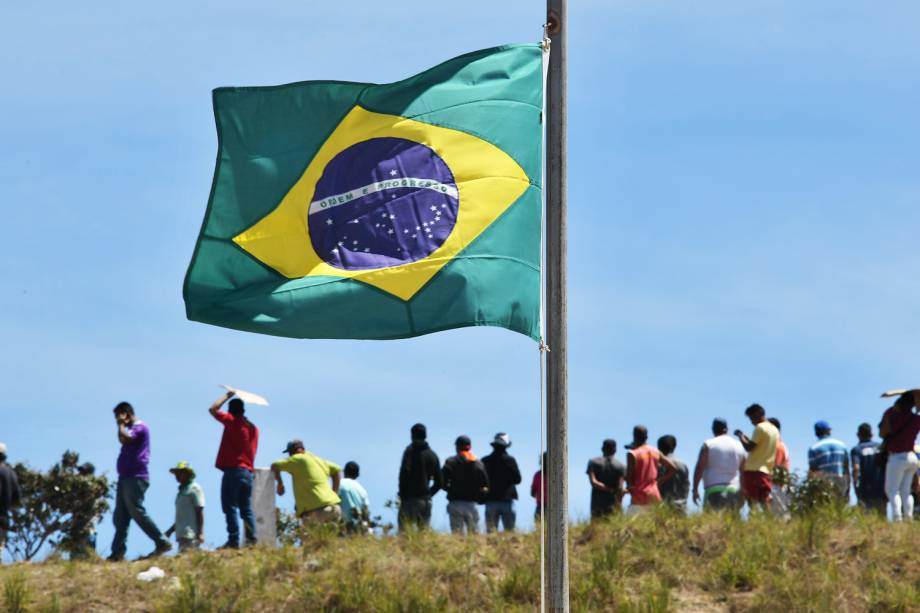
<point>829,459</point>
<point>355,503</point>
<point>189,524</point>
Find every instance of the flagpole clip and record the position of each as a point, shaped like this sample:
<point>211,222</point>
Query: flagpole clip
<point>544,348</point>
<point>546,42</point>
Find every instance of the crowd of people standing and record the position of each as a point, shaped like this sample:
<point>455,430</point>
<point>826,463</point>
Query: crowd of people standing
<point>733,470</point>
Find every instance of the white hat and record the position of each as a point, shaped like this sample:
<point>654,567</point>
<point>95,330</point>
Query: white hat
<point>3,448</point>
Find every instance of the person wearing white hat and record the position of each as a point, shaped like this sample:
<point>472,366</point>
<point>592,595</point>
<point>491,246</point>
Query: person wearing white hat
<point>9,495</point>
<point>503,477</point>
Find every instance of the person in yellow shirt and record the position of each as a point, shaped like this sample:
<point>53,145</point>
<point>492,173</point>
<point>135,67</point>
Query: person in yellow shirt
<point>757,475</point>
<point>316,501</point>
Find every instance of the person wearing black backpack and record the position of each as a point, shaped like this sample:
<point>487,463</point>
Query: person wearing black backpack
<point>900,426</point>
<point>868,476</point>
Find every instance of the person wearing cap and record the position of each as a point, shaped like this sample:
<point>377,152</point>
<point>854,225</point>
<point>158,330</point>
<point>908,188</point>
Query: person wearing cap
<point>829,459</point>
<point>189,524</point>
<point>757,476</point>
<point>467,484</point>
<point>675,488</point>
<point>868,476</point>
<point>606,475</point>
<point>133,481</point>
<point>355,503</point>
<point>9,494</point>
<point>315,501</point>
<point>420,478</point>
<point>718,466</point>
<point>504,475</point>
<point>643,472</point>
<point>236,458</point>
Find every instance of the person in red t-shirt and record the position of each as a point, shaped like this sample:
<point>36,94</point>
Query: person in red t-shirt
<point>539,487</point>
<point>236,457</point>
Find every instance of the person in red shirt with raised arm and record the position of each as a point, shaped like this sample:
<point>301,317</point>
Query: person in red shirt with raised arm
<point>236,458</point>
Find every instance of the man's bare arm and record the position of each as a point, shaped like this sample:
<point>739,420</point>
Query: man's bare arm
<point>670,467</point>
<point>747,443</point>
<point>630,467</point>
<point>199,515</point>
<point>280,484</point>
<point>595,483</point>
<point>124,435</point>
<point>215,407</point>
<point>701,463</point>
<point>336,481</point>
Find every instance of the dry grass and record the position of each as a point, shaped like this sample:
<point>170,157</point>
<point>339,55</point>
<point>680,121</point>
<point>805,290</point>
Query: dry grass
<point>832,561</point>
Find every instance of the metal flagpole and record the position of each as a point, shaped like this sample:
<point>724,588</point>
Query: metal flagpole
<point>557,381</point>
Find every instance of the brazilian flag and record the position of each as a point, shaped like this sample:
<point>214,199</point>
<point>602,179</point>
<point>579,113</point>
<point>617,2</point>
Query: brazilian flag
<point>354,210</point>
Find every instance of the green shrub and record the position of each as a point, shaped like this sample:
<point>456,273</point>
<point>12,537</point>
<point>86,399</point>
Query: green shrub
<point>16,592</point>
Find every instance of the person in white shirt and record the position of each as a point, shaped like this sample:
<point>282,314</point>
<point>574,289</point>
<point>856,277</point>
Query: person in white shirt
<point>718,466</point>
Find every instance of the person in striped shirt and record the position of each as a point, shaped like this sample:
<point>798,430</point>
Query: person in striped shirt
<point>829,459</point>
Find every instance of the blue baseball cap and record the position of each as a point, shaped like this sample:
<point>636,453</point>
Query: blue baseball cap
<point>822,425</point>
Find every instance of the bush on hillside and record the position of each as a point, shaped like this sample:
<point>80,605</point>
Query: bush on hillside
<point>813,493</point>
<point>59,508</point>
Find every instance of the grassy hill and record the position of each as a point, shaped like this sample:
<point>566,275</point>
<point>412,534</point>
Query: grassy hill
<point>831,561</point>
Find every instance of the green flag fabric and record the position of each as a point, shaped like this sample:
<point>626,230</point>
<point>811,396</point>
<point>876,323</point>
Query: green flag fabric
<point>354,210</point>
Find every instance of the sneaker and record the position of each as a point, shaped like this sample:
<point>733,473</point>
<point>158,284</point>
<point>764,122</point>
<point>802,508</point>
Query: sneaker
<point>251,542</point>
<point>230,545</point>
<point>115,558</point>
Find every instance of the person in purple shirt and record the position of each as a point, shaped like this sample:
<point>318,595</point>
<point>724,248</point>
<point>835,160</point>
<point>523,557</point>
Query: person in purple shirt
<point>133,481</point>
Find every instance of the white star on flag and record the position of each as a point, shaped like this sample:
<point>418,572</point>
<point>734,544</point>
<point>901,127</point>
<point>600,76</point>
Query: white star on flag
<point>393,173</point>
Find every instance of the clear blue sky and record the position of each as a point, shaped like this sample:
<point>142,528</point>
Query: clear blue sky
<point>743,201</point>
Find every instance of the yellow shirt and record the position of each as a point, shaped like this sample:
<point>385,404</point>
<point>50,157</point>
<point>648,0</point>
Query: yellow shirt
<point>311,480</point>
<point>763,457</point>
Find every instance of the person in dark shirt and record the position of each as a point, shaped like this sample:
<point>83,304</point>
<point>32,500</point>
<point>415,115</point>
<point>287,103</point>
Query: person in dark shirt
<point>868,476</point>
<point>9,495</point>
<point>467,484</point>
<point>419,479</point>
<point>606,475</point>
<point>236,457</point>
<point>503,476</point>
<point>675,488</point>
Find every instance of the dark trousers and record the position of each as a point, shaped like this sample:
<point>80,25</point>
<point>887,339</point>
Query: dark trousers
<point>414,512</point>
<point>129,504</point>
<point>500,512</point>
<point>236,496</point>
<point>879,505</point>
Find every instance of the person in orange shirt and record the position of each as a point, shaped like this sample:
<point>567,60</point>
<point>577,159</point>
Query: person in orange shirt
<point>779,501</point>
<point>782,453</point>
<point>642,464</point>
